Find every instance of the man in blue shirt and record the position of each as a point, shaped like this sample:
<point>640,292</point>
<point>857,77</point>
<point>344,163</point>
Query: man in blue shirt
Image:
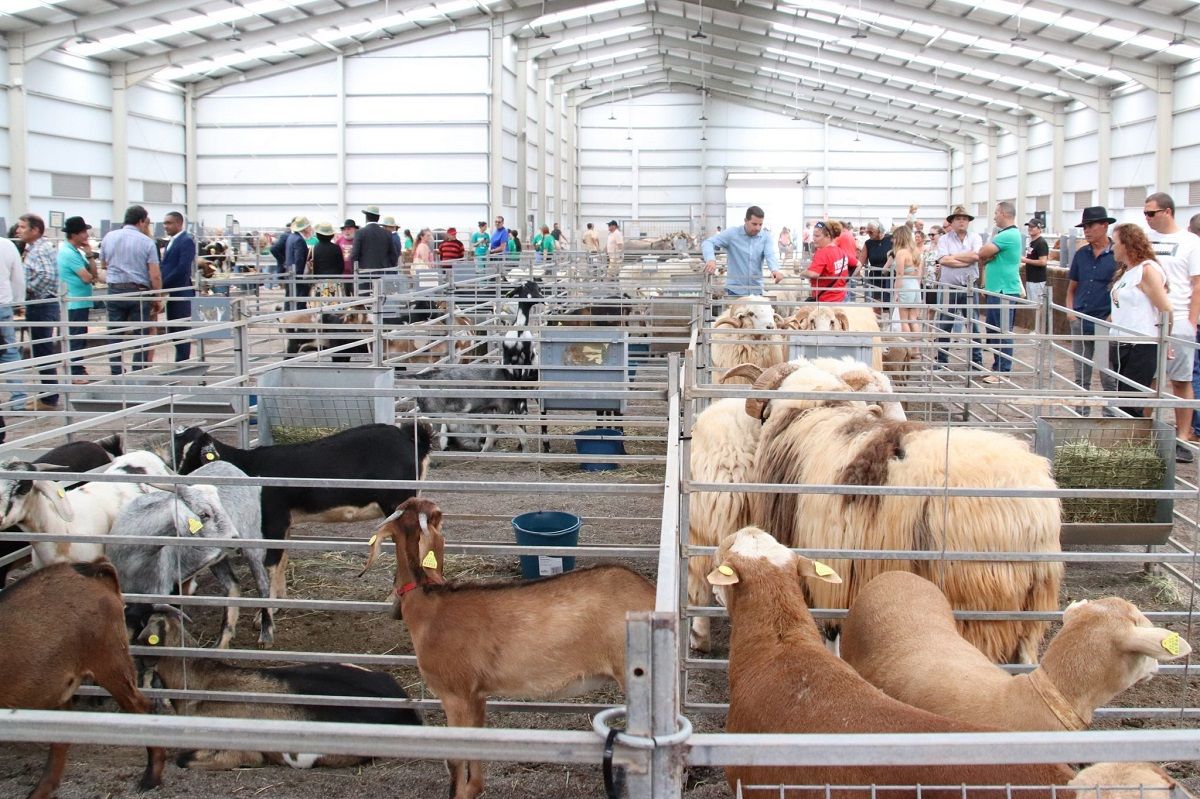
<point>1091,273</point>
<point>747,247</point>
<point>499,245</point>
<point>131,258</point>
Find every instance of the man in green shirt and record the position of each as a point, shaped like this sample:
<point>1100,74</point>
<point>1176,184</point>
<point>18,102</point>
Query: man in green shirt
<point>1001,260</point>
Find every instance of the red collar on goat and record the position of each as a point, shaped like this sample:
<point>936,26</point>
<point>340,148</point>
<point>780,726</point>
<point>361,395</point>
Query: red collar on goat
<point>404,589</point>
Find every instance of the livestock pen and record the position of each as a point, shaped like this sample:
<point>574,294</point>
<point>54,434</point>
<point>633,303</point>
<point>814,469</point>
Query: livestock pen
<point>637,514</point>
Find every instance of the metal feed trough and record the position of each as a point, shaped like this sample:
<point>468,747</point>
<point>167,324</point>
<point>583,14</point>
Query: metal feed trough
<point>638,513</point>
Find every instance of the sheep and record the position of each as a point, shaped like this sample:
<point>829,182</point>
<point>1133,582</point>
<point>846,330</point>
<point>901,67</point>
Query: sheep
<point>366,452</point>
<point>782,679</point>
<point>900,636</point>
<point>1125,781</point>
<point>61,625</point>
<point>74,456</point>
<point>824,317</point>
<point>553,637</point>
<point>724,442</point>
<point>194,510</point>
<point>728,349</point>
<point>44,506</point>
<point>842,442</point>
<point>323,679</point>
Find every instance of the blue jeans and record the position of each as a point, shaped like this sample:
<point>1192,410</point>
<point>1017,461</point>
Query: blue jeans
<point>1002,360</point>
<point>957,300</point>
<point>136,309</point>
<point>76,330</point>
<point>11,352</point>
<point>1196,386</point>
<point>44,339</point>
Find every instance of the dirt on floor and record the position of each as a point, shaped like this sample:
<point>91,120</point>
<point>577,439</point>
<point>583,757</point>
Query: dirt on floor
<point>111,773</point>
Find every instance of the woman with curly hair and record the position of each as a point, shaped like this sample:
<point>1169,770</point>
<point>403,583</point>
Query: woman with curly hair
<point>1139,298</point>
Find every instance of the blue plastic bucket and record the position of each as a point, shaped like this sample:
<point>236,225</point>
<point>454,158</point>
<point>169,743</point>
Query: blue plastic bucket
<point>640,350</point>
<point>607,442</point>
<point>546,528</point>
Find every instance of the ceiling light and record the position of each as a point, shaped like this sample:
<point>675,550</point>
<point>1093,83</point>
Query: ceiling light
<point>1018,38</point>
<point>1177,40</point>
<point>585,87</point>
<point>859,34</point>
<point>234,37</point>
<point>700,34</point>
<point>83,38</point>
<point>612,115</point>
<point>541,34</point>
<point>703,118</point>
<point>386,35</point>
<point>703,137</point>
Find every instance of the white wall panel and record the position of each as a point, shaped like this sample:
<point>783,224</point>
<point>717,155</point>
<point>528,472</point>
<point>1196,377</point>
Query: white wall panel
<point>59,117</point>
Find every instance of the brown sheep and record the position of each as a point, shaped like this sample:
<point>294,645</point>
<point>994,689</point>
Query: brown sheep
<point>901,637</point>
<point>62,625</point>
<point>843,442</point>
<point>782,679</point>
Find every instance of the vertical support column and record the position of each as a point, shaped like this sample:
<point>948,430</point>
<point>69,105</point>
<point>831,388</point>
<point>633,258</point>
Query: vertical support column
<point>950,150</point>
<point>522,138</point>
<point>571,212</point>
<point>968,168</point>
<point>635,211</point>
<point>561,152</point>
<point>993,147</point>
<point>120,141</point>
<point>543,118</point>
<point>1104,152</point>
<point>496,122</point>
<point>703,231</point>
<point>341,138</point>
<point>191,178</point>
<point>825,169</point>
<point>1058,124</point>
<point>1165,127</point>
<point>652,694</point>
<point>17,126</point>
<point>1022,169</point>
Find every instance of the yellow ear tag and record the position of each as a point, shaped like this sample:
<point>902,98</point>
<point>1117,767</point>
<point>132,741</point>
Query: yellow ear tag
<point>822,569</point>
<point>725,570</point>
<point>371,540</point>
<point>208,456</point>
<point>152,640</point>
<point>194,525</point>
<point>1171,643</point>
<point>62,493</point>
<point>430,561</point>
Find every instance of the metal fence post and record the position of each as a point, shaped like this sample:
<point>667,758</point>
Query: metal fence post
<point>652,699</point>
<point>377,328</point>
<point>241,365</point>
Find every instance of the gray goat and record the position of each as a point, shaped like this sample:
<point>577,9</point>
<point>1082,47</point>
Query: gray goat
<point>181,511</point>
<point>475,435</point>
<point>244,505</point>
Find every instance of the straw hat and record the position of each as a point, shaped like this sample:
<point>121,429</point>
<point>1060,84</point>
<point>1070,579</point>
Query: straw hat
<point>958,210</point>
<point>324,229</point>
<point>371,209</point>
<point>388,221</point>
<point>300,223</point>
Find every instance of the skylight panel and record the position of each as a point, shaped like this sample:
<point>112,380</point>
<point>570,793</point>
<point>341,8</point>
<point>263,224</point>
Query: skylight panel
<point>596,37</point>
<point>18,6</point>
<point>585,11</point>
<point>612,56</point>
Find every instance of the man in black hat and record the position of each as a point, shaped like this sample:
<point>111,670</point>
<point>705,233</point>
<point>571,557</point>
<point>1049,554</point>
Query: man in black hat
<point>1091,272</point>
<point>345,241</point>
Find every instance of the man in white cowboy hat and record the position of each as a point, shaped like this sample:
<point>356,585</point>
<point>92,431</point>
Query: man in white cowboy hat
<point>958,270</point>
<point>296,259</point>
<point>374,247</point>
<point>389,224</point>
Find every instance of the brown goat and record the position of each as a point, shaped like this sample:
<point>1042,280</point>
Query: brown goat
<point>782,679</point>
<point>64,624</point>
<point>554,637</point>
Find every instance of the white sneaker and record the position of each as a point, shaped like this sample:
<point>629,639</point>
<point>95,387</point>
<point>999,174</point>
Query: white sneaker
<point>991,379</point>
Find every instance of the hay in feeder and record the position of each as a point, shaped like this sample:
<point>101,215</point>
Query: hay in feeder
<point>286,434</point>
<point>1082,464</point>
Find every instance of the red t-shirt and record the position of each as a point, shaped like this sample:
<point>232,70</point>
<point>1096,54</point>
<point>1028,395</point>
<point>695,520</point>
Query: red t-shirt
<point>829,263</point>
<point>846,241</point>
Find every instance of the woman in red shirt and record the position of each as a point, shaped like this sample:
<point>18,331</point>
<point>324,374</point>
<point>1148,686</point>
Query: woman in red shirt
<point>845,240</point>
<point>828,272</point>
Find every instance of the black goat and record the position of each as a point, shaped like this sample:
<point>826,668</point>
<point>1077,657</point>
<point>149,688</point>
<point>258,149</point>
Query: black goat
<point>368,452</point>
<point>75,456</point>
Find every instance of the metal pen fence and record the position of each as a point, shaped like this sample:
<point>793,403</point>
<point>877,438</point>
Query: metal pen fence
<point>641,518</point>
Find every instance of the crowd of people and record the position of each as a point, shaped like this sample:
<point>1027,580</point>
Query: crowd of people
<point>1123,282</point>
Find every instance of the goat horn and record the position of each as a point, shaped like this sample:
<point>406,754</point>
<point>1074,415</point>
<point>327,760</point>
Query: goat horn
<point>770,378</point>
<point>749,370</point>
<point>171,610</point>
<point>172,487</point>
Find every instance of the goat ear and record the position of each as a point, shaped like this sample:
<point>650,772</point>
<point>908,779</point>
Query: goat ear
<point>57,498</point>
<point>816,569</point>
<point>722,575</point>
<point>1078,603</point>
<point>1157,643</point>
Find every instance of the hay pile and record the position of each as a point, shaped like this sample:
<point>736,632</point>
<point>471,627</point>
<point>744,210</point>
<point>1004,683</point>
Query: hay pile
<point>1082,464</point>
<point>285,434</point>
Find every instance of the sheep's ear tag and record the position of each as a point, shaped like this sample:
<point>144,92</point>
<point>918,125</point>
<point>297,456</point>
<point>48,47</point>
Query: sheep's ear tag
<point>1171,644</point>
<point>194,525</point>
<point>371,541</point>
<point>822,570</point>
<point>153,640</point>
<point>723,575</point>
<point>430,562</point>
<point>61,493</point>
<point>210,456</point>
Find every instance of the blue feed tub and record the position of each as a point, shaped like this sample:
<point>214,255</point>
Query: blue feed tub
<point>640,350</point>
<point>607,442</point>
<point>546,528</point>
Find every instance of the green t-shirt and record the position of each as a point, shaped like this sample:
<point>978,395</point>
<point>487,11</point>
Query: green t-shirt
<point>548,244</point>
<point>70,261</point>
<point>1003,274</point>
<point>480,242</point>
